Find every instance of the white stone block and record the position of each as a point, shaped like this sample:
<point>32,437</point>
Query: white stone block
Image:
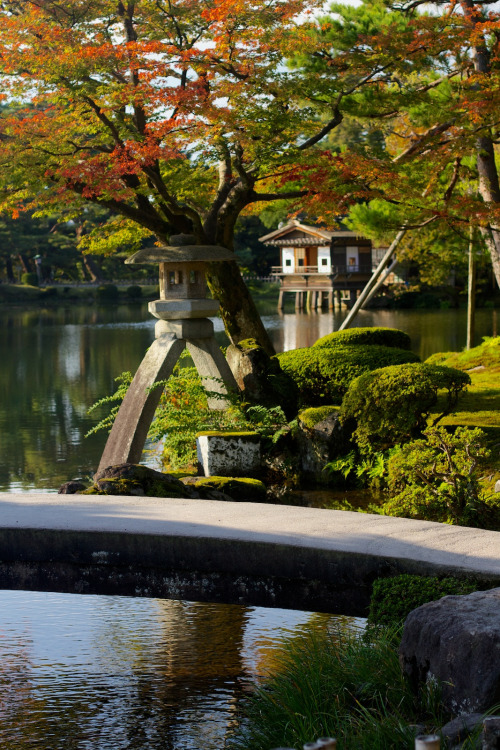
<point>228,454</point>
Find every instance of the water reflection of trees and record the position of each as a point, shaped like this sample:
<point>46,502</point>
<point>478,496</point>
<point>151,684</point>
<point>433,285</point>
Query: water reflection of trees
<point>55,364</point>
<point>165,679</point>
<point>187,689</point>
<point>135,674</point>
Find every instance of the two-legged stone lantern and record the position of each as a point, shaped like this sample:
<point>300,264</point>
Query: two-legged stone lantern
<point>183,311</point>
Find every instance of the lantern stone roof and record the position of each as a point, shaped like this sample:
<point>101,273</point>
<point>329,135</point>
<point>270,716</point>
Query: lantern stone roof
<point>180,254</point>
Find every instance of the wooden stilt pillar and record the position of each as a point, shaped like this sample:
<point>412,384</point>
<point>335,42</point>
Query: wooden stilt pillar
<point>331,301</point>
<point>280,300</point>
<point>308,300</point>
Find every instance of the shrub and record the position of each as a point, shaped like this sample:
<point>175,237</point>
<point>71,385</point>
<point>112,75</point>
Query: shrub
<point>107,293</point>
<point>134,291</point>
<point>366,337</point>
<point>323,374</point>
<point>437,479</point>
<point>391,405</point>
<point>393,599</point>
<point>29,279</point>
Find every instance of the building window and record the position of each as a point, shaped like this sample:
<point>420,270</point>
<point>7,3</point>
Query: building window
<point>193,277</point>
<point>324,261</point>
<point>288,262</point>
<point>301,261</point>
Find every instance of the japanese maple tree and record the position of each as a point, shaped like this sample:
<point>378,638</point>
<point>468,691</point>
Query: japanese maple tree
<point>175,116</point>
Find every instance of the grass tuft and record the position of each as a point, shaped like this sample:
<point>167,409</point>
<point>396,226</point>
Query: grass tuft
<point>336,684</point>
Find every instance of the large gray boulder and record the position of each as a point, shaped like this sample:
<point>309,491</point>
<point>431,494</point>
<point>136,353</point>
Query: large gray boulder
<point>456,641</point>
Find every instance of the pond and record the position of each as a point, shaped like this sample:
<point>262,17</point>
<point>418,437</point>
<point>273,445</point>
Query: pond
<point>90,672</point>
<point>57,362</point>
<point>114,673</point>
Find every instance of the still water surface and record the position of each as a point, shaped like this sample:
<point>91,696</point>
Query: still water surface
<point>112,673</point>
<point>90,672</point>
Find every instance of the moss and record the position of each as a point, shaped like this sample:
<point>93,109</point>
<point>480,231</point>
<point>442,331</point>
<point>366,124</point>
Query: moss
<point>323,374</point>
<point>486,354</point>
<point>147,486</point>
<point>237,486</point>
<point>480,406</point>
<point>375,336</point>
<point>311,417</point>
<point>249,344</point>
<point>214,433</point>
<point>394,598</point>
<point>226,481</point>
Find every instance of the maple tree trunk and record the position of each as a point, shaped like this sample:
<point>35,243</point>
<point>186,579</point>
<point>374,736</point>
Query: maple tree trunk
<point>24,263</point>
<point>92,268</point>
<point>237,308</point>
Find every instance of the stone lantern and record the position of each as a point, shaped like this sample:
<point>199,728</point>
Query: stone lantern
<point>183,312</point>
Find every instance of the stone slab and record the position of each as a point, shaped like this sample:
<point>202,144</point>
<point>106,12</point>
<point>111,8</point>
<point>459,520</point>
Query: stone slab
<point>191,328</point>
<point>455,642</point>
<point>177,309</point>
<point>245,553</point>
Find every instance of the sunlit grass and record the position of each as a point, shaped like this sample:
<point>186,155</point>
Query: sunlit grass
<point>480,406</point>
<point>340,685</point>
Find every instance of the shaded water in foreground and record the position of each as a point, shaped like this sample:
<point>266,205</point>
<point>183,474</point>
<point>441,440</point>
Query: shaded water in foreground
<point>113,673</point>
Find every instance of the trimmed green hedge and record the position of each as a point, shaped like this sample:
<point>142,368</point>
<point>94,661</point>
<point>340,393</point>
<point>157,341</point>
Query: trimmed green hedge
<point>134,291</point>
<point>29,279</point>
<point>107,293</point>
<point>323,374</point>
<point>394,598</point>
<point>366,337</point>
<point>390,405</point>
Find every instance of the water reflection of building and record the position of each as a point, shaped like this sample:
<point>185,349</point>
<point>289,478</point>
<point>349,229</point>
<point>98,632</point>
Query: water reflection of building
<point>301,330</point>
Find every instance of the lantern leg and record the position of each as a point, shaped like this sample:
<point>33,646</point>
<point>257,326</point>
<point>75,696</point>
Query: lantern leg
<point>128,434</point>
<point>216,375</point>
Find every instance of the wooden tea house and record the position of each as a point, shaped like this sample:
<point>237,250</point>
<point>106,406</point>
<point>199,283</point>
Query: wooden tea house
<point>320,266</point>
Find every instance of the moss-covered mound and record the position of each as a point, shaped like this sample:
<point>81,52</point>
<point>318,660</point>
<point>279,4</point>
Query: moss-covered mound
<point>394,598</point>
<point>480,407</point>
<point>242,489</point>
<point>486,354</point>
<point>135,479</point>
<point>366,337</point>
<point>323,374</point>
<point>316,414</point>
<point>391,405</point>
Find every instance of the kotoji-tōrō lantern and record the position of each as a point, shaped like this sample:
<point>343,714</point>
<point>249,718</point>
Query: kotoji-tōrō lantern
<point>183,313</point>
